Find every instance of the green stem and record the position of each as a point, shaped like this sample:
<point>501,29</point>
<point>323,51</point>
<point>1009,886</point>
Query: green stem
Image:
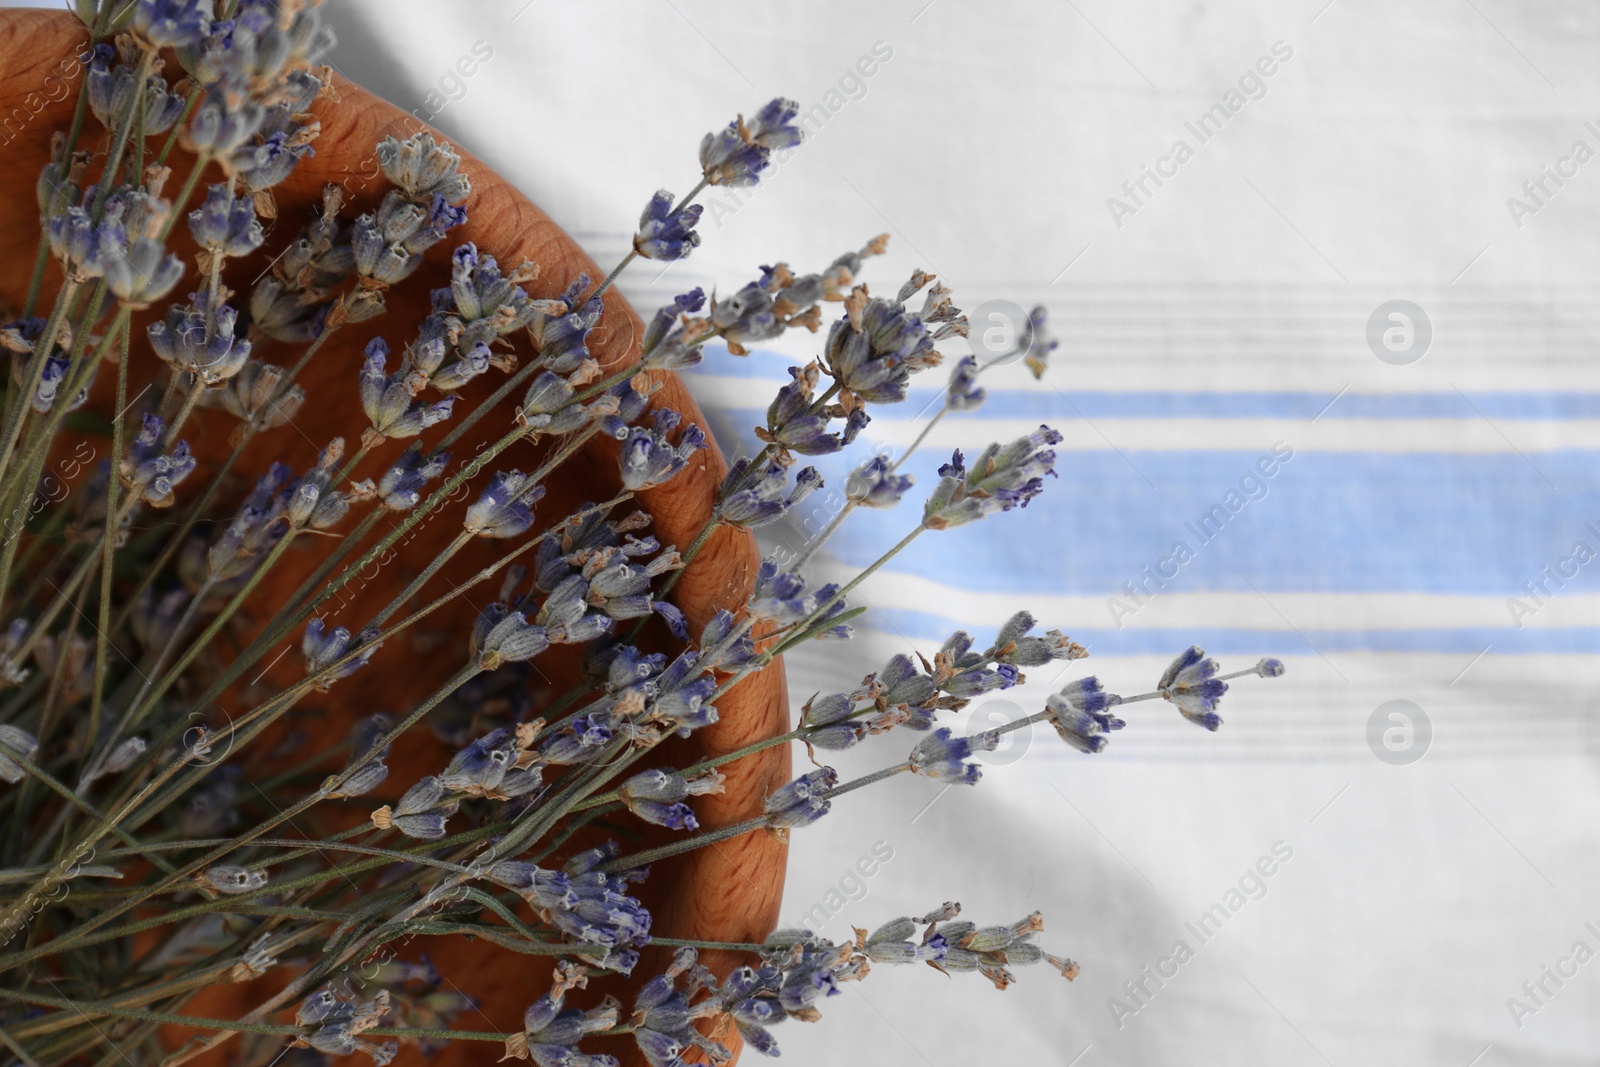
<point>109,549</point>
<point>18,412</point>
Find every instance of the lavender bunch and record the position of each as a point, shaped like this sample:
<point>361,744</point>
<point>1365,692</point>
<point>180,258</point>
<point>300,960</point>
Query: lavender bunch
<point>154,788</point>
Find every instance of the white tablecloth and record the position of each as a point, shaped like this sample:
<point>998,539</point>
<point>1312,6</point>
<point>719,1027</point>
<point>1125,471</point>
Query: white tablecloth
<point>1207,314</point>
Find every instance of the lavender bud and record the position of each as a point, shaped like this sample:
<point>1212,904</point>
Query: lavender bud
<point>366,757</point>
<point>421,813</point>
<point>874,484</point>
<point>964,393</point>
<point>233,880</point>
<point>400,488</point>
<point>1269,668</point>
<point>11,670</point>
<point>254,395</point>
<point>803,801</point>
<point>940,756</point>
<point>149,472</point>
<point>648,459</point>
<point>1190,683</point>
<point>873,351</point>
<point>386,398</point>
<point>746,316</point>
<point>142,273</point>
<point>669,339</point>
<point>766,498</point>
<point>718,652</point>
<point>112,95</point>
<point>509,638</point>
<point>1036,342</point>
<point>505,508</point>
<point>219,130</point>
<point>1000,479</point>
<point>18,742</point>
<point>1078,712</point>
<point>738,154</point>
<point>192,341</point>
<point>172,23</point>
<point>81,244</point>
<point>666,234</point>
<point>323,647</point>
<point>423,168</point>
<point>264,165</point>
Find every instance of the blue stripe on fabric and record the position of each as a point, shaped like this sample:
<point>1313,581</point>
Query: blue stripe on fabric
<point>1328,522</point>
<point>1045,402</point>
<point>931,629</point>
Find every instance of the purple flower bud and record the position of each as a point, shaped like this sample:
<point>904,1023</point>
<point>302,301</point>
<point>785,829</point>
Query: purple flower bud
<point>266,164</point>
<point>803,801</point>
<point>195,342</point>
<point>505,508</point>
<point>510,638</point>
<point>666,344</point>
<point>400,488</point>
<point>423,168</point>
<point>323,647</point>
<point>1079,714</point>
<point>1001,478</point>
<point>221,130</point>
<point>15,741</point>
<point>964,393</point>
<point>666,234</point>
<point>1269,668</point>
<point>1036,342</point>
<point>648,459</point>
<point>141,273</point>
<point>940,756</point>
<point>1190,683</point>
<point>172,23</point>
<point>874,484</point>
<point>757,500</point>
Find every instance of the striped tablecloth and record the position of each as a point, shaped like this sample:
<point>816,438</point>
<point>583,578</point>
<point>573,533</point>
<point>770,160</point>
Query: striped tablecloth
<point>1333,907</point>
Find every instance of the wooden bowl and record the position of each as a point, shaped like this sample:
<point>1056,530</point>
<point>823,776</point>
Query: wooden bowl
<point>729,892</point>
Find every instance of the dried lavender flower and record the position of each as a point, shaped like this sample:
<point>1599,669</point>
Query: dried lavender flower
<point>424,168</point>
<point>1078,712</point>
<point>1190,683</point>
<point>751,500</point>
<point>738,154</point>
<point>15,741</point>
<point>1000,479</point>
<point>226,225</point>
